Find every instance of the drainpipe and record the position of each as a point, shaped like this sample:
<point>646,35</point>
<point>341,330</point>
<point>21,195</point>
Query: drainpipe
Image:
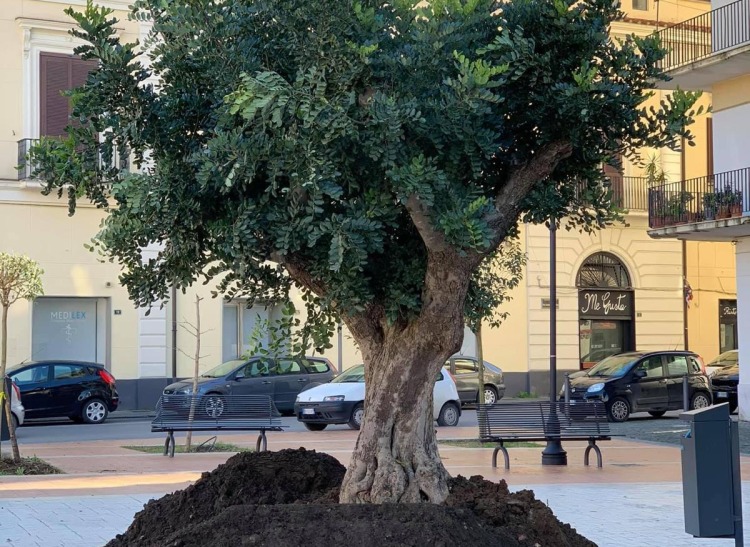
<point>174,333</point>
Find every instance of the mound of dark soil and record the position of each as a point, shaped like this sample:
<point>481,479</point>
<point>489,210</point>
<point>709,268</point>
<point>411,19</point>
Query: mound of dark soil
<point>289,498</point>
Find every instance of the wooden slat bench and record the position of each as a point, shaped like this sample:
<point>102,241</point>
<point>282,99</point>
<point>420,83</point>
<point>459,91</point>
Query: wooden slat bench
<point>216,413</point>
<point>543,421</point>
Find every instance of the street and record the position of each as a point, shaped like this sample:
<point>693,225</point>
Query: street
<point>135,425</point>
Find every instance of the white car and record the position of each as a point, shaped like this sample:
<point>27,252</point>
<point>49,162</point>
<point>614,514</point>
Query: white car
<point>16,408</point>
<point>341,401</point>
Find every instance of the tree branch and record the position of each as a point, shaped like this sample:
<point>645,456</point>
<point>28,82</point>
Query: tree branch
<point>433,239</point>
<point>520,181</point>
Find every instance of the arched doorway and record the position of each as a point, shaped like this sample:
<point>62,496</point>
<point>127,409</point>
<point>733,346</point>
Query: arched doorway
<point>606,314</point>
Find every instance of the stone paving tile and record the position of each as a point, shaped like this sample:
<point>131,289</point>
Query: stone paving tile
<point>612,515</point>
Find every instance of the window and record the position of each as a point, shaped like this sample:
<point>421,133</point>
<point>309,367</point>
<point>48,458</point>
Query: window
<point>288,366</point>
<point>31,375</point>
<point>58,73</point>
<point>256,369</point>
<point>316,366</point>
<point>68,372</point>
<point>677,365</point>
<point>641,5</point>
<point>465,366</point>
<point>695,366</point>
<point>727,325</point>
<point>603,271</point>
<point>652,367</point>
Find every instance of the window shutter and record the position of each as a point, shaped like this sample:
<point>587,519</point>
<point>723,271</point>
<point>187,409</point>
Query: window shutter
<point>59,73</point>
<point>55,77</point>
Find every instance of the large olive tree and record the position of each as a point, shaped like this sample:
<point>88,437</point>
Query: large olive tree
<point>371,154</point>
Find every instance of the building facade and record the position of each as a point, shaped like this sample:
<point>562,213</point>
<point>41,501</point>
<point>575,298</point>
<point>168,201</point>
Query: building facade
<point>618,289</point>
<point>711,52</point>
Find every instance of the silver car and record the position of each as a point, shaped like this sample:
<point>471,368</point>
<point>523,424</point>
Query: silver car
<point>16,407</point>
<point>465,371</point>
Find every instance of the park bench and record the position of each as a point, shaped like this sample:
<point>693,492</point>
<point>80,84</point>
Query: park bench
<point>543,421</point>
<point>216,413</point>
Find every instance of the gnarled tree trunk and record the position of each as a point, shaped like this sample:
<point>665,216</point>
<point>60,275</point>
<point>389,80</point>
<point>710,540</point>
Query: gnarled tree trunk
<point>396,457</point>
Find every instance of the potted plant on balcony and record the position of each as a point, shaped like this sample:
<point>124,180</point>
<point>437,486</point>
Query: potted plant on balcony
<point>709,206</point>
<point>677,210</point>
<point>729,202</point>
<point>735,205</point>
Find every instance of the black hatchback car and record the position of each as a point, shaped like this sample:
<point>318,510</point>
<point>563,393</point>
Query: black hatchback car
<point>643,382</point>
<point>725,380</point>
<point>282,379</point>
<point>84,392</point>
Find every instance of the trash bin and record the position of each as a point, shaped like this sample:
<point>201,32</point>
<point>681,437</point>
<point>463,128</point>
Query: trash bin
<point>711,474</point>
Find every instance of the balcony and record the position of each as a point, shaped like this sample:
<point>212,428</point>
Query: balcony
<point>120,161</point>
<point>630,193</point>
<point>709,48</point>
<point>711,208</point>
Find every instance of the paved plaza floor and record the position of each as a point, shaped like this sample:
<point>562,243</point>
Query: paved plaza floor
<point>634,500</point>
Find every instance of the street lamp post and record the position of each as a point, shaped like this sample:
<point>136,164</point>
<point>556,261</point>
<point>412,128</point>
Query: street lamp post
<point>553,453</point>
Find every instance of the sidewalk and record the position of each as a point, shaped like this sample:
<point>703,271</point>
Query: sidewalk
<point>634,500</point>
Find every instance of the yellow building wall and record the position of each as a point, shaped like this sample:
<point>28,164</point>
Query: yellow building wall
<point>655,271</point>
<point>711,274</point>
<point>45,233</point>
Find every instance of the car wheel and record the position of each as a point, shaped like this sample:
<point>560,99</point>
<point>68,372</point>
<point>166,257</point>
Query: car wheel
<point>490,395</point>
<point>316,427</point>
<point>657,413</point>
<point>94,411</point>
<point>449,415</point>
<point>618,410</point>
<point>700,400</point>
<point>355,422</point>
<point>213,405</point>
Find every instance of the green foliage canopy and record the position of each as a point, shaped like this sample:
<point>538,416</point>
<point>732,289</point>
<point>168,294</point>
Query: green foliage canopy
<point>337,146</point>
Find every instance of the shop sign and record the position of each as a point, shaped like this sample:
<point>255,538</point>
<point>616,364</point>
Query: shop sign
<point>604,303</point>
<point>727,311</point>
<point>67,315</point>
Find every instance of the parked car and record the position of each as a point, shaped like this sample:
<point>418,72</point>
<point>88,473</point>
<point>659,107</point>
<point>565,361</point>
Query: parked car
<point>342,401</point>
<point>16,406</point>
<point>724,385</point>
<point>465,370</point>
<point>727,359</point>
<point>281,379</point>
<point>84,392</point>
<point>643,382</point>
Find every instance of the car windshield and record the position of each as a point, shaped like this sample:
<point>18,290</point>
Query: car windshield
<point>223,369</point>
<point>350,376</point>
<point>613,367</point>
<point>726,359</point>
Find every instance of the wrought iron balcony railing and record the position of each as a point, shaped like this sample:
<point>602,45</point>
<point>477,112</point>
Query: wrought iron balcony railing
<point>26,169</point>
<point>630,193</point>
<point>719,196</point>
<point>712,32</point>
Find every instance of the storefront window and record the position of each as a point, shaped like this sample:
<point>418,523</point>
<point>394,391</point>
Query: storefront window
<point>605,309</point>
<point>727,325</point>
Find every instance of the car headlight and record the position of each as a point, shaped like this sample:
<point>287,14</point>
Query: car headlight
<point>595,388</point>
<point>333,398</point>
<point>185,391</point>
